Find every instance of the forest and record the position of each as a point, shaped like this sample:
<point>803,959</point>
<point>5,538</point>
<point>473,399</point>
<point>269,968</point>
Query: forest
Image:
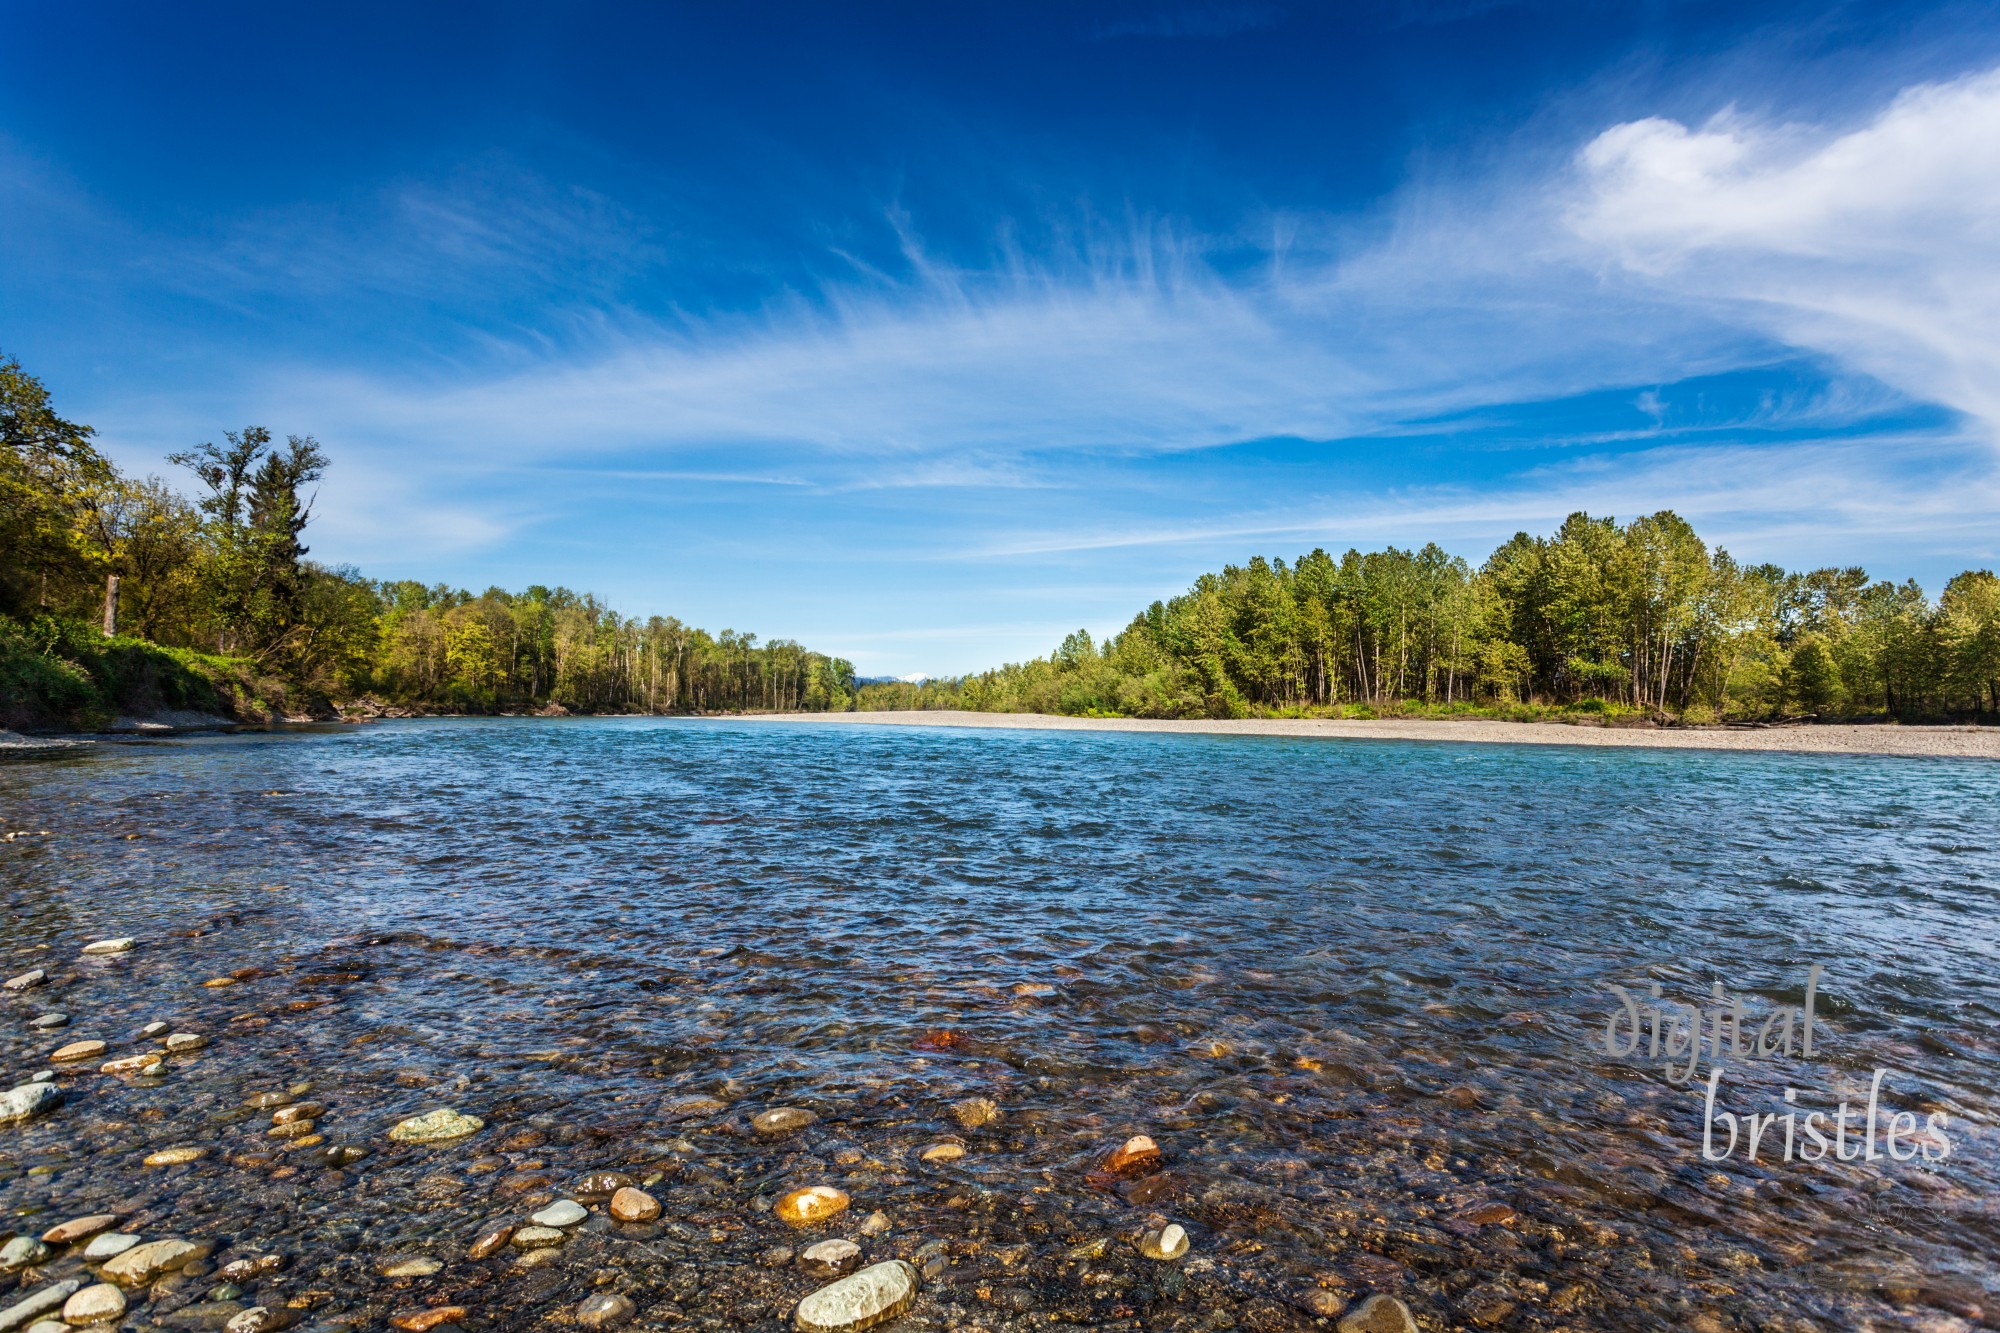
<point>125,595</point>
<point>216,605</point>
<point>1640,619</point>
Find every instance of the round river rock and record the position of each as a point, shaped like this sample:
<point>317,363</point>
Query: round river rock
<point>814,1203</point>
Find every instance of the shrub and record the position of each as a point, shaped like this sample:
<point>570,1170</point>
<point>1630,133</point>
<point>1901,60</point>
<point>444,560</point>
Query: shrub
<point>58,674</point>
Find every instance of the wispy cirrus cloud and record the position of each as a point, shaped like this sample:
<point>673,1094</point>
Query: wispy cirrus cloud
<point>488,230</point>
<point>1139,346</point>
<point>1670,253</point>
<point>1052,397</point>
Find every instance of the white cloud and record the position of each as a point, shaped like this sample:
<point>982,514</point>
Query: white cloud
<point>1878,244</point>
<point>1046,383</point>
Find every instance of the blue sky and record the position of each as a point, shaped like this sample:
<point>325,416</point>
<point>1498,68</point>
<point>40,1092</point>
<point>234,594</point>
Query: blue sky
<point>924,333</point>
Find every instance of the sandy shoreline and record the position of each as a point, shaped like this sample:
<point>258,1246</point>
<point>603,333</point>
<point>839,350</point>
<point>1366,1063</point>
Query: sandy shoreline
<point>1909,742</point>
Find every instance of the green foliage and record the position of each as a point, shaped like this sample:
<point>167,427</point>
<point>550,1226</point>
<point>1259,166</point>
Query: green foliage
<point>439,647</point>
<point>1811,675</point>
<point>232,617</point>
<point>49,476</point>
<point>251,569</point>
<point>1969,613</point>
<point>58,673</point>
<point>40,689</point>
<point>1601,620</point>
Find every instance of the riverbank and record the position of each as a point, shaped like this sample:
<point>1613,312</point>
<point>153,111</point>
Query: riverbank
<point>1941,742</point>
<point>160,723</point>
<point>61,678</point>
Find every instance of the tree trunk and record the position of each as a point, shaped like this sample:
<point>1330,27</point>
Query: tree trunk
<point>110,605</point>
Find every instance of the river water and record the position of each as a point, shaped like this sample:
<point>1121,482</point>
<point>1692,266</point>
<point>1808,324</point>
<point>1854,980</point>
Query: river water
<point>1358,993</point>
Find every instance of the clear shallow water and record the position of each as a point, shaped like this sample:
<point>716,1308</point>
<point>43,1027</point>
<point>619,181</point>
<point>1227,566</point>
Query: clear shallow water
<point>1353,989</point>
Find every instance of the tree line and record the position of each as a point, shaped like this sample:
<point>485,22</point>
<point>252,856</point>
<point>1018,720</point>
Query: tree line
<point>1641,617</point>
<point>222,586</point>
<point>1636,618</point>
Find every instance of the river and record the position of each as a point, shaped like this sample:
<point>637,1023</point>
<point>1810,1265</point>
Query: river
<point>1357,992</point>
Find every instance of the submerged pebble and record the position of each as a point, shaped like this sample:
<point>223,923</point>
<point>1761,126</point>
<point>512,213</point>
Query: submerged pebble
<point>975,1112</point>
<point>29,1100</point>
<point>1137,1156</point>
<point>537,1237</point>
<point>601,1184</point>
<point>831,1258</point>
<point>561,1213</point>
<point>335,1156</point>
<point>249,1270</point>
<point>141,1264</point>
<point>859,1301</point>
<point>108,1246</point>
<point>133,1064</point>
<point>176,1156</point>
<point>213,1315</point>
<point>782,1120</point>
<point>814,1203</point>
<point>440,1126</point>
<point>37,1303</point>
<point>1169,1242</point>
<point>1379,1314</point>
<point>634,1205</point>
<point>21,1252</point>
<point>604,1310</point>
<point>101,1304</point>
<point>408,1265</point>
<point>490,1242</point>
<point>1326,1304</point>
<point>79,1228</point>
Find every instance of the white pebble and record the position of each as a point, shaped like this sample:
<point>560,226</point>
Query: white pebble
<point>562,1213</point>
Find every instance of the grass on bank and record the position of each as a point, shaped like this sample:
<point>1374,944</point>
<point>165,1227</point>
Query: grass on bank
<point>64,675</point>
